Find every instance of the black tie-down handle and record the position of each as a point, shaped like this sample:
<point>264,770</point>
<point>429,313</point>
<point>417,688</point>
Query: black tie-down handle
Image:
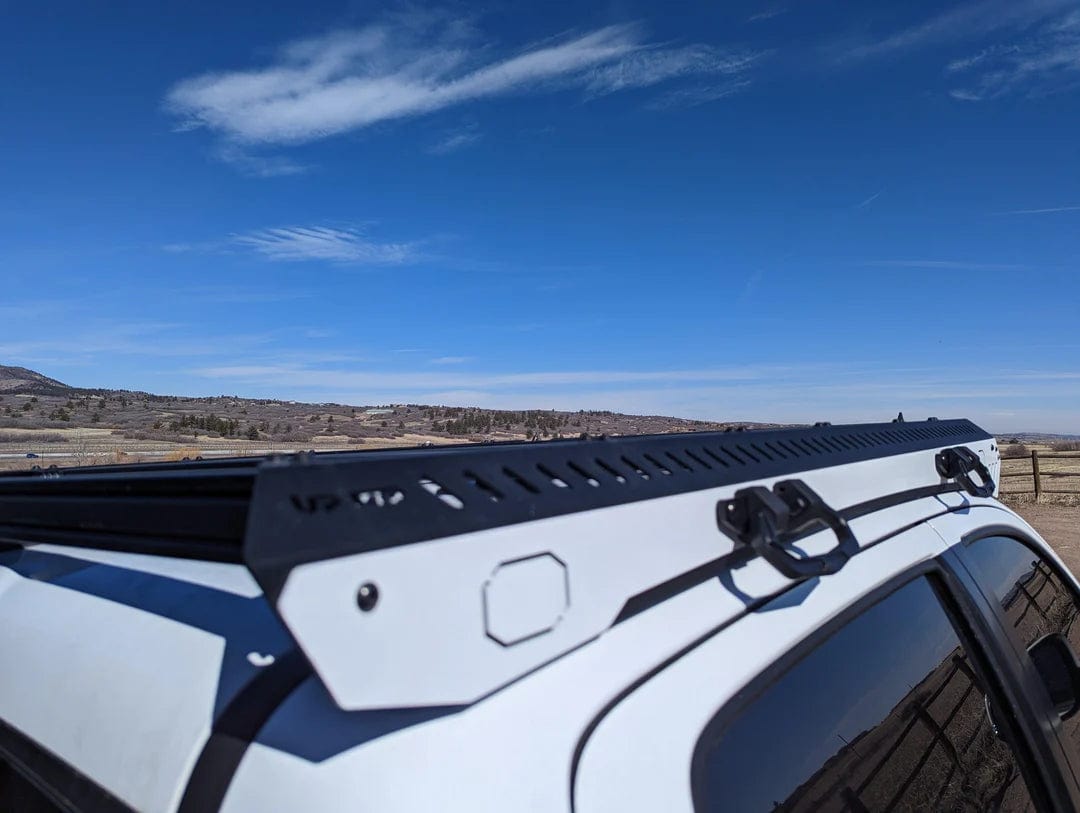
<point>957,463</point>
<point>768,521</point>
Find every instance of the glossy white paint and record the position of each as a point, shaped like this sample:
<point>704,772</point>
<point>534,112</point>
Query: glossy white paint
<point>639,758</point>
<point>125,696</point>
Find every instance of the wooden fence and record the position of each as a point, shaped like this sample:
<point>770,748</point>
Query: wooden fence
<point>1040,467</point>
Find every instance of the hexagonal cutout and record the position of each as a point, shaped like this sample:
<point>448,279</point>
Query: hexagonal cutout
<point>525,598</point>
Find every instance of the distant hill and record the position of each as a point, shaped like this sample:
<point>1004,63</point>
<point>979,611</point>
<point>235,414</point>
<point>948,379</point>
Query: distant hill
<point>27,382</point>
<point>1033,437</point>
<point>32,401</point>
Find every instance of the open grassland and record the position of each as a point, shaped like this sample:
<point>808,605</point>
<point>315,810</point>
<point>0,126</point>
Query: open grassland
<point>25,449</point>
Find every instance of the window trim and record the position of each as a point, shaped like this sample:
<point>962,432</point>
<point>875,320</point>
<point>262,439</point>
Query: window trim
<point>1022,671</point>
<point>998,529</point>
<point>950,592</point>
<point>1042,751</point>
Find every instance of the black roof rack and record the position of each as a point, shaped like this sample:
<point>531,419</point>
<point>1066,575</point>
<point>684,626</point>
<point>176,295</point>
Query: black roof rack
<point>276,512</point>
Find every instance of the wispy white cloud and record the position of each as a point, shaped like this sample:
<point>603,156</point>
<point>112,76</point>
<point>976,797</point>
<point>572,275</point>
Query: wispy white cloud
<point>1044,62</point>
<point>32,311</point>
<point>107,339</point>
<point>230,295</point>
<point>456,139</point>
<point>259,166</point>
<point>803,393</point>
<point>452,360</point>
<point>1030,47</point>
<point>694,96</point>
<point>299,376</point>
<point>1042,375</point>
<point>192,247</point>
<point>963,22</point>
<point>345,246</point>
<point>965,95</point>
<point>352,79</point>
<point>651,66</point>
<point>768,14</point>
<point>980,58</point>
<point>1050,210</point>
<point>417,64</point>
<point>870,199</point>
<point>944,265</point>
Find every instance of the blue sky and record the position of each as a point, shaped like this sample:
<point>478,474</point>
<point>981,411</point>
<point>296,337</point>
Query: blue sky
<point>741,210</point>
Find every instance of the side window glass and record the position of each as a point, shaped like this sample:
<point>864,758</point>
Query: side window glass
<point>1035,599</point>
<point>887,713</point>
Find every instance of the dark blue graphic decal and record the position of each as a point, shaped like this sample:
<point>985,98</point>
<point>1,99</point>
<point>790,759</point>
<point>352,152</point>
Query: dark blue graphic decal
<point>310,725</point>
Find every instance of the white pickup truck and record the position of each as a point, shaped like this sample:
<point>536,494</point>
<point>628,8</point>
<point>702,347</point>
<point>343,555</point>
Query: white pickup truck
<point>831,617</point>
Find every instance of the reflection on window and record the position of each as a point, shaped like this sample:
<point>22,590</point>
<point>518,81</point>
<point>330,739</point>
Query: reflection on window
<point>886,714</point>
<point>1035,599</point>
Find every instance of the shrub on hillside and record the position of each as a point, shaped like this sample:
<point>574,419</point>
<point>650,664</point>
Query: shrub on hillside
<point>147,434</point>
<point>1015,450</point>
<point>293,437</point>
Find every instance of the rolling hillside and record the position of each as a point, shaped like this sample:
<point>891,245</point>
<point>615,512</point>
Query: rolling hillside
<point>32,404</point>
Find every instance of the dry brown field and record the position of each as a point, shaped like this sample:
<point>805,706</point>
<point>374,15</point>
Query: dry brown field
<point>95,447</point>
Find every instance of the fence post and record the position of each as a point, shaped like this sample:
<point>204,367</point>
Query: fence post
<point>1035,473</point>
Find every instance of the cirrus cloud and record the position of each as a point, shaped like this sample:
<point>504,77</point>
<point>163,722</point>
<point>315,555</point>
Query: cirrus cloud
<point>1047,61</point>
<point>346,246</point>
<point>348,80</point>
